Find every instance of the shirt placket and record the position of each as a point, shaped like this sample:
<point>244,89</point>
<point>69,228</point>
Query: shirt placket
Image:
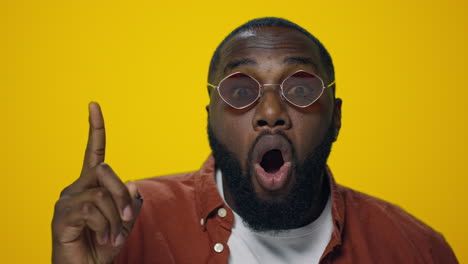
<point>218,225</point>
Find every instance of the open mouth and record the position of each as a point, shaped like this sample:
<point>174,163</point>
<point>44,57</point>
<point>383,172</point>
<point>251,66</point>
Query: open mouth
<point>272,161</point>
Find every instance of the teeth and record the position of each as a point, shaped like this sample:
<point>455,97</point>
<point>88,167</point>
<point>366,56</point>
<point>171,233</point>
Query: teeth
<point>272,161</point>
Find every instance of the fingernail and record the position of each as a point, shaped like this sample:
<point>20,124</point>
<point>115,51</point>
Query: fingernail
<point>119,240</point>
<point>127,213</point>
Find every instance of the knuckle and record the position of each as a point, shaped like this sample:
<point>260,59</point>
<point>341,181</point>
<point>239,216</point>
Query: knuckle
<point>65,191</point>
<point>121,194</point>
<point>86,209</point>
<point>62,206</point>
<point>59,218</point>
<point>101,194</point>
<point>59,205</point>
<point>103,167</point>
<point>56,217</point>
<point>73,188</point>
<point>99,151</point>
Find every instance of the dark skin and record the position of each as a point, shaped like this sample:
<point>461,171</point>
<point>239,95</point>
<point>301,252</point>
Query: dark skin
<point>95,214</point>
<point>270,55</point>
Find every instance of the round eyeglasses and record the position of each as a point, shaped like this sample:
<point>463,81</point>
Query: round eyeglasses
<point>241,90</point>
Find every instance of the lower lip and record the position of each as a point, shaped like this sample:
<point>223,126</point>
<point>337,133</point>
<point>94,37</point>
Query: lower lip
<point>273,181</point>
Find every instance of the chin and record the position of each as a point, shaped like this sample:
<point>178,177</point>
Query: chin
<point>273,194</point>
<point>282,197</point>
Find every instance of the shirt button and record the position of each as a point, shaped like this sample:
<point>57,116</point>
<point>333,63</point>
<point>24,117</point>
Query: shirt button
<point>218,247</point>
<point>222,212</point>
<point>202,221</point>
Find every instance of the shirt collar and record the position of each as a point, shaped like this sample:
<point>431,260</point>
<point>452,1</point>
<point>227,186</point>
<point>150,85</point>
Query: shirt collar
<point>338,211</point>
<point>207,196</point>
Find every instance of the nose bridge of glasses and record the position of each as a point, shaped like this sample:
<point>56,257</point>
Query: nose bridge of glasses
<point>269,91</point>
<point>266,87</point>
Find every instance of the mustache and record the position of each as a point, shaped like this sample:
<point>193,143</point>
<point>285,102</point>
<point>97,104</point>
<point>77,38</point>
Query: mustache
<point>268,133</point>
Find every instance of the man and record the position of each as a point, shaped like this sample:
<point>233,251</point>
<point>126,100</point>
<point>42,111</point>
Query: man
<point>264,196</point>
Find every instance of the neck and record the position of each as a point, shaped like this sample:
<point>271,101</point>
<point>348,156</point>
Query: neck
<point>320,201</point>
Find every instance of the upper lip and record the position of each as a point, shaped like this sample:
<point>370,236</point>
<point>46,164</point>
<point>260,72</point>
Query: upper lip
<point>271,142</point>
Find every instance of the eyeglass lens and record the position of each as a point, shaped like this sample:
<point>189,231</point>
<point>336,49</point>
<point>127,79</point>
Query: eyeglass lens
<point>301,89</point>
<point>239,90</point>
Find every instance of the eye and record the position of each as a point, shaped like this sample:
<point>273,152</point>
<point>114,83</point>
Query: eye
<point>240,93</point>
<point>300,91</point>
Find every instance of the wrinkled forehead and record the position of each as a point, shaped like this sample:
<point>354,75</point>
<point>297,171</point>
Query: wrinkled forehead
<point>268,46</point>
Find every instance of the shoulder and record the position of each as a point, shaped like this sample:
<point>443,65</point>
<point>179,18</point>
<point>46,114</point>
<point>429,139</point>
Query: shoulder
<point>170,201</point>
<point>370,209</point>
<point>167,208</point>
<point>382,222</point>
<point>168,187</point>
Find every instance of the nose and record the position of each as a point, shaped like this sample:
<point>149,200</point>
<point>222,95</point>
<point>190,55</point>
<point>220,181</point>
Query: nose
<point>271,112</point>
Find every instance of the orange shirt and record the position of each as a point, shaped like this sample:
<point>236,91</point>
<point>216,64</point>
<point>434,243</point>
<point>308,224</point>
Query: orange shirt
<point>181,222</point>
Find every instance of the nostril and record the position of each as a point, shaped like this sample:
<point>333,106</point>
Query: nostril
<point>262,123</point>
<point>279,123</point>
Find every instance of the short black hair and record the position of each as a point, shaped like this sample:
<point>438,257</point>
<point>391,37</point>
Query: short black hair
<point>273,22</point>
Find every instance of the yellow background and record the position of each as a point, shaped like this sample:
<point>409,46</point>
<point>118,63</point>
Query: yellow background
<point>401,72</point>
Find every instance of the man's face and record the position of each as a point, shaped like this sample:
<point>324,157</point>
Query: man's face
<point>271,138</point>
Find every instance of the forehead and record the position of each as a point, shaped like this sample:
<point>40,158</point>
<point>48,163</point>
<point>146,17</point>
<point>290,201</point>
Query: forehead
<point>269,47</point>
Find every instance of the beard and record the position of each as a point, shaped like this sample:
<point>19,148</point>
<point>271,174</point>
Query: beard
<point>290,211</point>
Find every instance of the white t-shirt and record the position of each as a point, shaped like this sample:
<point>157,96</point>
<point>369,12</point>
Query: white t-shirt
<point>302,245</point>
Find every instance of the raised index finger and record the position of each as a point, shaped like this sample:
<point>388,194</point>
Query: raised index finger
<point>96,147</point>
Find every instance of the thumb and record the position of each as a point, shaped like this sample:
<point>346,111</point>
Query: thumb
<point>127,226</point>
<point>137,200</point>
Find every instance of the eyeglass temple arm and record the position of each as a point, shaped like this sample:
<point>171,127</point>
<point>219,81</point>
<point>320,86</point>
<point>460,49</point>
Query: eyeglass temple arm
<point>210,85</point>
<point>328,86</point>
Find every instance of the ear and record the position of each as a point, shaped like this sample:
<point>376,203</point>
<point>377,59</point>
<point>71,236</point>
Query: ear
<point>207,107</point>
<point>337,116</point>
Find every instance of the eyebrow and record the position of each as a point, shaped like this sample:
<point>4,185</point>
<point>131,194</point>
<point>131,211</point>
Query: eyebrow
<point>289,60</point>
<point>236,63</point>
<point>300,61</point>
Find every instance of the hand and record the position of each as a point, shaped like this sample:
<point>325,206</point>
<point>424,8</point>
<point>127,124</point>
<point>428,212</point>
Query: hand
<point>95,214</point>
